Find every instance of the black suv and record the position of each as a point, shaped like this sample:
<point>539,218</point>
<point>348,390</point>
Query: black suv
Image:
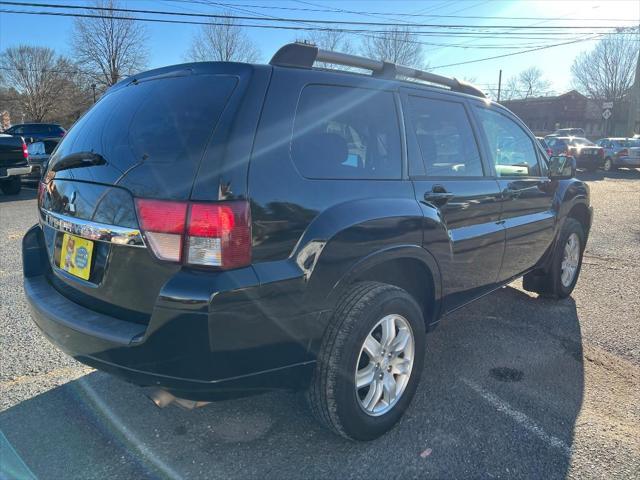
<point>218,229</point>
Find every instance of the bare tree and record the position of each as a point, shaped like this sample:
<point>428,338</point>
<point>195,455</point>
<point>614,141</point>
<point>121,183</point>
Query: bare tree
<point>606,72</point>
<point>531,83</point>
<point>528,83</point>
<point>222,41</point>
<point>395,45</point>
<point>330,40</point>
<point>111,46</point>
<point>36,78</point>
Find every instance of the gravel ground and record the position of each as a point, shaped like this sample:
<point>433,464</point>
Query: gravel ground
<point>514,387</point>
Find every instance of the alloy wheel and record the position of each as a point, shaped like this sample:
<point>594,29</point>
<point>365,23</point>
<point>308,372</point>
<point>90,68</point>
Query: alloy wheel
<point>384,365</point>
<point>570,260</point>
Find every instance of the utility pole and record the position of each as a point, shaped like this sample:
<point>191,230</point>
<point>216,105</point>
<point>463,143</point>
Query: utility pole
<point>93,87</point>
<point>499,84</point>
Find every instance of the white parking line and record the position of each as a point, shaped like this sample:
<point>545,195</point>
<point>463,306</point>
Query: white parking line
<point>519,417</point>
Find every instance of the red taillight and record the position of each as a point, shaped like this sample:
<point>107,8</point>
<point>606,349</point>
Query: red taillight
<point>623,153</point>
<point>162,216</point>
<point>25,150</point>
<point>41,190</point>
<point>209,234</point>
<point>163,223</point>
<point>219,234</point>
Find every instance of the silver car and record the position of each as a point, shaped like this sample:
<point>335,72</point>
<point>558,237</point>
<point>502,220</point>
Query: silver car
<point>620,152</point>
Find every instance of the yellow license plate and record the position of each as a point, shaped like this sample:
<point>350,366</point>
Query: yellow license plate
<point>75,256</point>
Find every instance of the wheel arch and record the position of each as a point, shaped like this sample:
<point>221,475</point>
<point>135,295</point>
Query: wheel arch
<point>409,267</point>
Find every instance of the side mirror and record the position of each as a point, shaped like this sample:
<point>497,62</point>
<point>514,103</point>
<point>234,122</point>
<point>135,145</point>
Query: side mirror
<point>561,167</point>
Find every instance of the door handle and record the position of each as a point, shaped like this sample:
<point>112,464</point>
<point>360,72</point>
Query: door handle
<point>512,194</point>
<point>438,196</point>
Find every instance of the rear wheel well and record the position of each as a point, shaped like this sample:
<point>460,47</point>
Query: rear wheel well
<point>409,274</point>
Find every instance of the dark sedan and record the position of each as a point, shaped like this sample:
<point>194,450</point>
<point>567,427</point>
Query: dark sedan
<point>588,155</point>
<point>34,132</point>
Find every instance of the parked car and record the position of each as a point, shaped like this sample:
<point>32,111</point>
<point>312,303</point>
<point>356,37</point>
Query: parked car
<point>620,152</point>
<point>33,132</point>
<point>13,163</point>
<point>588,155</point>
<point>39,153</point>
<point>234,228</point>
<point>569,132</point>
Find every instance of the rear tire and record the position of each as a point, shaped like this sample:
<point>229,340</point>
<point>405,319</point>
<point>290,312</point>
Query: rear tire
<point>565,264</point>
<point>11,186</point>
<point>608,165</point>
<point>361,315</point>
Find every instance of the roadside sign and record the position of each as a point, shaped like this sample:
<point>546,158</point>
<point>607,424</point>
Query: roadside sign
<point>607,105</point>
<point>606,114</point>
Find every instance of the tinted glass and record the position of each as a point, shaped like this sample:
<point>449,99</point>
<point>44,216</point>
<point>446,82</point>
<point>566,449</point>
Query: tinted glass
<point>164,124</point>
<point>445,138</point>
<point>344,132</point>
<point>513,151</point>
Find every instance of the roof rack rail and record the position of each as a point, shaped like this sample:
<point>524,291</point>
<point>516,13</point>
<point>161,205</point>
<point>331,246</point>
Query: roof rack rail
<point>304,55</point>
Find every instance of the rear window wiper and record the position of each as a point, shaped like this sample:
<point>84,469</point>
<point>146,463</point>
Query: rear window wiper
<point>78,160</point>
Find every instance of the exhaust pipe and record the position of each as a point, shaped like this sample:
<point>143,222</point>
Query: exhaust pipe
<point>163,399</point>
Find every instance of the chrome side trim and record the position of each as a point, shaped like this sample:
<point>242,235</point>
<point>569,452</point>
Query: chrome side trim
<point>100,232</point>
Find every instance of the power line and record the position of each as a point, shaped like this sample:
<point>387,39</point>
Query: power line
<point>277,27</point>
<point>594,37</point>
<point>296,20</point>
<point>412,15</point>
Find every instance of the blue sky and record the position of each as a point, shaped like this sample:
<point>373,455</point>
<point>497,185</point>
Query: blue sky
<point>168,43</point>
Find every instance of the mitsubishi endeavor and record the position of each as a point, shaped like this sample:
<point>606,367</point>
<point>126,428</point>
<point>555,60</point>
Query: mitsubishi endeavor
<point>220,229</point>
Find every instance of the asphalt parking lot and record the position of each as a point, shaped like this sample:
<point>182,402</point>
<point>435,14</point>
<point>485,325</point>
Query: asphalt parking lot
<point>515,386</point>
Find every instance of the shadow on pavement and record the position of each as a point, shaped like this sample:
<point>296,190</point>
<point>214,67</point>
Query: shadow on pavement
<point>622,173</point>
<point>500,394</point>
<point>25,194</point>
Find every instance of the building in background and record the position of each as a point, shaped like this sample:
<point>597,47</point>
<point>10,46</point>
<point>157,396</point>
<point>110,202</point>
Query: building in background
<point>543,115</point>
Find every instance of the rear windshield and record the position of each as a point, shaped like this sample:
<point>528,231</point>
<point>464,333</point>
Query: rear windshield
<point>161,124</point>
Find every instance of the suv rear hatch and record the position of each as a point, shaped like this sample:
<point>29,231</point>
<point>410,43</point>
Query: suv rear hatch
<point>147,138</point>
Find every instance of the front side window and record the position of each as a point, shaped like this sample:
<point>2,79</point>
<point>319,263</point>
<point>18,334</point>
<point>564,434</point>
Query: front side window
<point>446,141</point>
<point>513,151</point>
<point>345,132</point>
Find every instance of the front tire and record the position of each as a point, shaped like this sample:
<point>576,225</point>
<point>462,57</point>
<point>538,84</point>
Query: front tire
<point>566,263</point>
<point>370,361</point>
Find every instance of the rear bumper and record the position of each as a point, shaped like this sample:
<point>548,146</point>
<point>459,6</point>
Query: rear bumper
<point>194,354</point>
<point>15,171</point>
<point>627,161</point>
<point>589,162</point>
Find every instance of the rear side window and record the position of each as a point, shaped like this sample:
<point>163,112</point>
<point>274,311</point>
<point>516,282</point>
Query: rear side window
<point>345,132</point>
<point>446,141</point>
<point>512,150</point>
